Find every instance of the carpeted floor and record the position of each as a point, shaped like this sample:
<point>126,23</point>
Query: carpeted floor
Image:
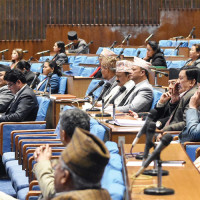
<point>5,186</point>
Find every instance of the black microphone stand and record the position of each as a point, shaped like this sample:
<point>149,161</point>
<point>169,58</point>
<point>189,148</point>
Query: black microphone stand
<point>159,190</point>
<point>93,103</point>
<point>102,114</point>
<point>47,94</point>
<point>2,56</point>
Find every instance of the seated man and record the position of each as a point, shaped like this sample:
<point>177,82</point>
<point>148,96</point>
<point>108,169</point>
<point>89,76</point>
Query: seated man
<point>78,46</point>
<point>162,106</point>
<point>184,89</point>
<point>69,120</point>
<point>24,107</point>
<point>78,174</point>
<point>6,95</point>
<point>123,74</point>
<point>140,97</point>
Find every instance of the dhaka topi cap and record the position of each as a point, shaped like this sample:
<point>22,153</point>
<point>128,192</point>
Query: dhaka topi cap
<point>72,35</point>
<point>124,66</point>
<point>141,63</point>
<point>173,73</point>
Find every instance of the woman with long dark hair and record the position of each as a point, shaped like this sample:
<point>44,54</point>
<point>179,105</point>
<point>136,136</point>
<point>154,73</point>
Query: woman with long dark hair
<point>16,56</point>
<point>154,54</point>
<point>52,70</point>
<point>60,57</point>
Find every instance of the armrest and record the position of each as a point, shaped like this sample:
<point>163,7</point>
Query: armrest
<point>32,183</point>
<point>172,132</point>
<point>7,127</point>
<point>197,152</point>
<point>32,193</point>
<point>26,132</point>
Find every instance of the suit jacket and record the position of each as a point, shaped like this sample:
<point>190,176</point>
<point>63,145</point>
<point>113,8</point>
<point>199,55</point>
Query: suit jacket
<point>113,83</point>
<point>54,81</point>
<point>140,100</point>
<point>87,194</point>
<point>195,64</point>
<point>29,75</point>
<point>79,48</point>
<point>6,97</point>
<point>191,133</point>
<point>178,112</point>
<point>158,59</point>
<point>60,58</point>
<point>23,108</point>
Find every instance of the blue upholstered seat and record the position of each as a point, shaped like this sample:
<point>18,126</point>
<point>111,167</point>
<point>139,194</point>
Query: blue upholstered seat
<point>93,84</point>
<point>44,58</point>
<point>43,107</point>
<point>156,96</point>
<point>71,59</point>
<point>177,64</point>
<point>129,52</point>
<point>62,85</point>
<point>79,59</point>
<point>92,60</point>
<point>170,52</point>
<point>87,71</point>
<point>36,67</point>
<point>192,42</point>
<point>191,150</point>
<point>99,50</point>
<point>5,63</point>
<point>143,52</point>
<point>117,50</point>
<point>176,43</point>
<point>165,43</point>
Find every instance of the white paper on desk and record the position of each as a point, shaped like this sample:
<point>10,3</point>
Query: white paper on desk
<point>127,122</point>
<point>139,164</point>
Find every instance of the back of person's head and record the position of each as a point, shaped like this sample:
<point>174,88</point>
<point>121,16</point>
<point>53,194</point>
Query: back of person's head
<point>72,118</point>
<point>23,65</point>
<point>55,67</point>
<point>14,75</point>
<point>61,45</point>
<point>155,46</point>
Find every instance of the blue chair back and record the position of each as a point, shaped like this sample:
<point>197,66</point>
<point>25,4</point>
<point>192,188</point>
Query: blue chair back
<point>62,85</point>
<point>129,52</point>
<point>36,67</point>
<point>79,59</point>
<point>92,60</point>
<point>87,71</point>
<point>117,50</point>
<point>5,63</point>
<point>170,52</point>
<point>177,64</point>
<point>44,58</point>
<point>192,42</point>
<point>176,43</point>
<point>76,70</point>
<point>165,43</point>
<point>143,52</point>
<point>92,85</point>
<point>191,151</point>
<point>43,107</point>
<point>156,96</point>
<point>99,50</point>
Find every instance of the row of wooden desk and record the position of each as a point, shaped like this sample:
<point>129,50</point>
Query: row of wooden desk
<point>185,180</point>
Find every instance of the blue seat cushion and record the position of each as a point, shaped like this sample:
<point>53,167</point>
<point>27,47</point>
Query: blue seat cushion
<point>21,194</point>
<point>8,156</point>
<point>10,164</point>
<point>112,147</point>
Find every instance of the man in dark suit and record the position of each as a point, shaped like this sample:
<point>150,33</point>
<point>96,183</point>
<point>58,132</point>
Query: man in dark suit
<point>24,106</point>
<point>184,89</point>
<point>6,95</point>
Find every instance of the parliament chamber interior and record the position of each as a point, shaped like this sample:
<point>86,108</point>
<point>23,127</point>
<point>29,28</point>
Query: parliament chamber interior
<point>92,92</point>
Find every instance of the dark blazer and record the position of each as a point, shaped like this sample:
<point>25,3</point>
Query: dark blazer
<point>60,58</point>
<point>80,47</point>
<point>54,81</point>
<point>178,112</point>
<point>29,75</point>
<point>158,59</point>
<point>23,108</point>
<point>6,96</point>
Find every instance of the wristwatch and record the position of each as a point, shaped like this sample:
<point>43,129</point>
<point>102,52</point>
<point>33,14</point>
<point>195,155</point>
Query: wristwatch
<point>158,124</point>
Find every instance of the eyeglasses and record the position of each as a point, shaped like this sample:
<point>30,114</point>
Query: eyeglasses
<point>10,84</point>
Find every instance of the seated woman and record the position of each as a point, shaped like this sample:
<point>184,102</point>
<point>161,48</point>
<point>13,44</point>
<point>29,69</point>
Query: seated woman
<point>16,56</point>
<point>194,56</point>
<point>154,54</point>
<point>24,67</point>
<point>60,57</point>
<point>50,69</point>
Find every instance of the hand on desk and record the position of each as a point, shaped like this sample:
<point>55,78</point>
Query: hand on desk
<point>42,153</point>
<point>133,114</point>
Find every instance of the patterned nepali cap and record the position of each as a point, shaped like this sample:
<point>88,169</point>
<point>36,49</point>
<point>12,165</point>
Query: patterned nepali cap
<point>124,66</point>
<point>141,63</point>
<point>107,52</point>
<point>86,155</point>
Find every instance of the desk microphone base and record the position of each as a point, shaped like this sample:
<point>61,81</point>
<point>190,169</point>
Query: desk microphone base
<point>154,172</point>
<point>93,110</point>
<point>158,191</point>
<point>103,115</point>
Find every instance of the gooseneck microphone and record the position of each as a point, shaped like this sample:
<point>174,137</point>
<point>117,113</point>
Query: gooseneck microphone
<point>160,72</point>
<point>126,38</point>
<point>5,50</point>
<point>149,137</point>
<point>121,52</point>
<point>113,44</point>
<point>34,82</point>
<point>150,117</point>
<point>165,141</point>
<point>95,88</point>
<point>121,90</point>
<point>148,38</point>
<point>42,52</point>
<point>68,45</point>
<point>48,83</point>
<point>106,87</point>
<point>191,32</point>
<point>178,46</point>
<point>138,53</point>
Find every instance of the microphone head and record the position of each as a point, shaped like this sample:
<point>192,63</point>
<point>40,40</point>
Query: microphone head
<point>50,75</point>
<point>115,42</point>
<point>122,89</point>
<point>153,114</point>
<point>25,51</point>
<point>166,139</point>
<point>48,51</point>
<point>151,127</point>
<point>101,83</point>
<point>37,73</point>
<point>91,42</point>
<point>107,85</point>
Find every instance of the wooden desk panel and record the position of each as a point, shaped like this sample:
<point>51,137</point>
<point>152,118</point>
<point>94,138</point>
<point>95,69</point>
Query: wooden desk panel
<point>184,180</point>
